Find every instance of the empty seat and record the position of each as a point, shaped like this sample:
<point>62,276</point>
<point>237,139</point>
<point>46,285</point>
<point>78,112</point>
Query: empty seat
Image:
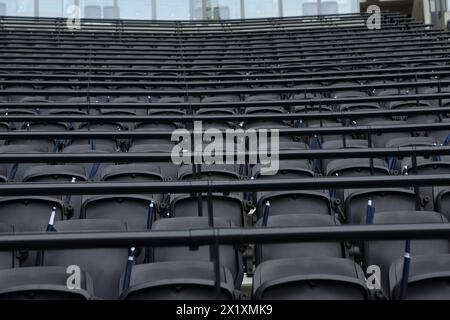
<point>294,202</point>
<point>428,279</point>
<point>384,253</point>
<point>93,170</point>
<point>105,266</point>
<point>380,140</point>
<point>59,174</point>
<point>229,208</point>
<point>383,199</point>
<point>317,278</point>
<point>133,210</point>
<point>43,283</point>
<point>186,280</point>
<point>168,169</point>
<point>229,255</point>
<point>265,252</point>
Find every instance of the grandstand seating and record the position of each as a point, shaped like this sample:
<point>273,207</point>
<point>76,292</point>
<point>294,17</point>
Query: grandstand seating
<point>88,115</point>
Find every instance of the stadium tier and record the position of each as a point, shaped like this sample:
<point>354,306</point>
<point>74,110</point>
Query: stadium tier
<point>260,159</point>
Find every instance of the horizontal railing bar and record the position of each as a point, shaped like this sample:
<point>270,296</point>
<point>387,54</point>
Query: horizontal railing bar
<point>321,36</point>
<point>287,78</point>
<point>318,183</point>
<point>223,236</point>
<point>277,67</point>
<point>305,115</point>
<point>282,155</point>
<point>412,84</point>
<point>156,62</point>
<point>287,45</point>
<point>186,105</point>
<point>323,131</point>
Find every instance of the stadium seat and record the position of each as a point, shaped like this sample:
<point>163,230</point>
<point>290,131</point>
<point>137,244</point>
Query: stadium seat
<point>428,278</point>
<point>43,283</point>
<point>317,278</point>
<point>189,280</point>
<point>384,253</point>
<point>230,257</point>
<point>105,266</point>
<point>265,252</point>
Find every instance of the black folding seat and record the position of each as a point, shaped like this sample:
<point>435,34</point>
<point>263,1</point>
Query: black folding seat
<point>221,98</point>
<point>397,163</point>
<point>383,199</point>
<point>29,214</point>
<point>117,112</point>
<point>269,125</point>
<point>388,91</point>
<point>49,144</point>
<point>63,96</point>
<point>347,93</point>
<point>263,97</point>
<point>138,212</point>
<point>442,201</point>
<point>43,283</point>
<point>35,99</point>
<point>175,280</point>
<point>438,102</point>
<point>7,259</point>
<point>422,118</point>
<point>264,110</point>
<point>99,127</point>
<point>17,112</point>
<point>68,112</point>
<point>312,109</point>
<point>265,252</point>
<point>134,210</point>
<point>384,253</point>
<point>380,140</point>
<point>227,206</point>
<point>391,92</point>
<point>92,170</point>
<point>342,144</point>
<point>154,127</point>
<point>166,112</point>
<point>104,265</point>
<point>318,278</point>
<point>59,174</point>
<point>293,201</point>
<point>230,257</point>
<point>356,167</point>
<point>354,107</point>
<point>16,92</point>
<point>168,169</point>
<point>429,275</point>
<point>127,100</point>
<point>181,99</point>
<point>137,172</point>
<point>15,171</point>
<point>216,112</point>
<point>295,168</point>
